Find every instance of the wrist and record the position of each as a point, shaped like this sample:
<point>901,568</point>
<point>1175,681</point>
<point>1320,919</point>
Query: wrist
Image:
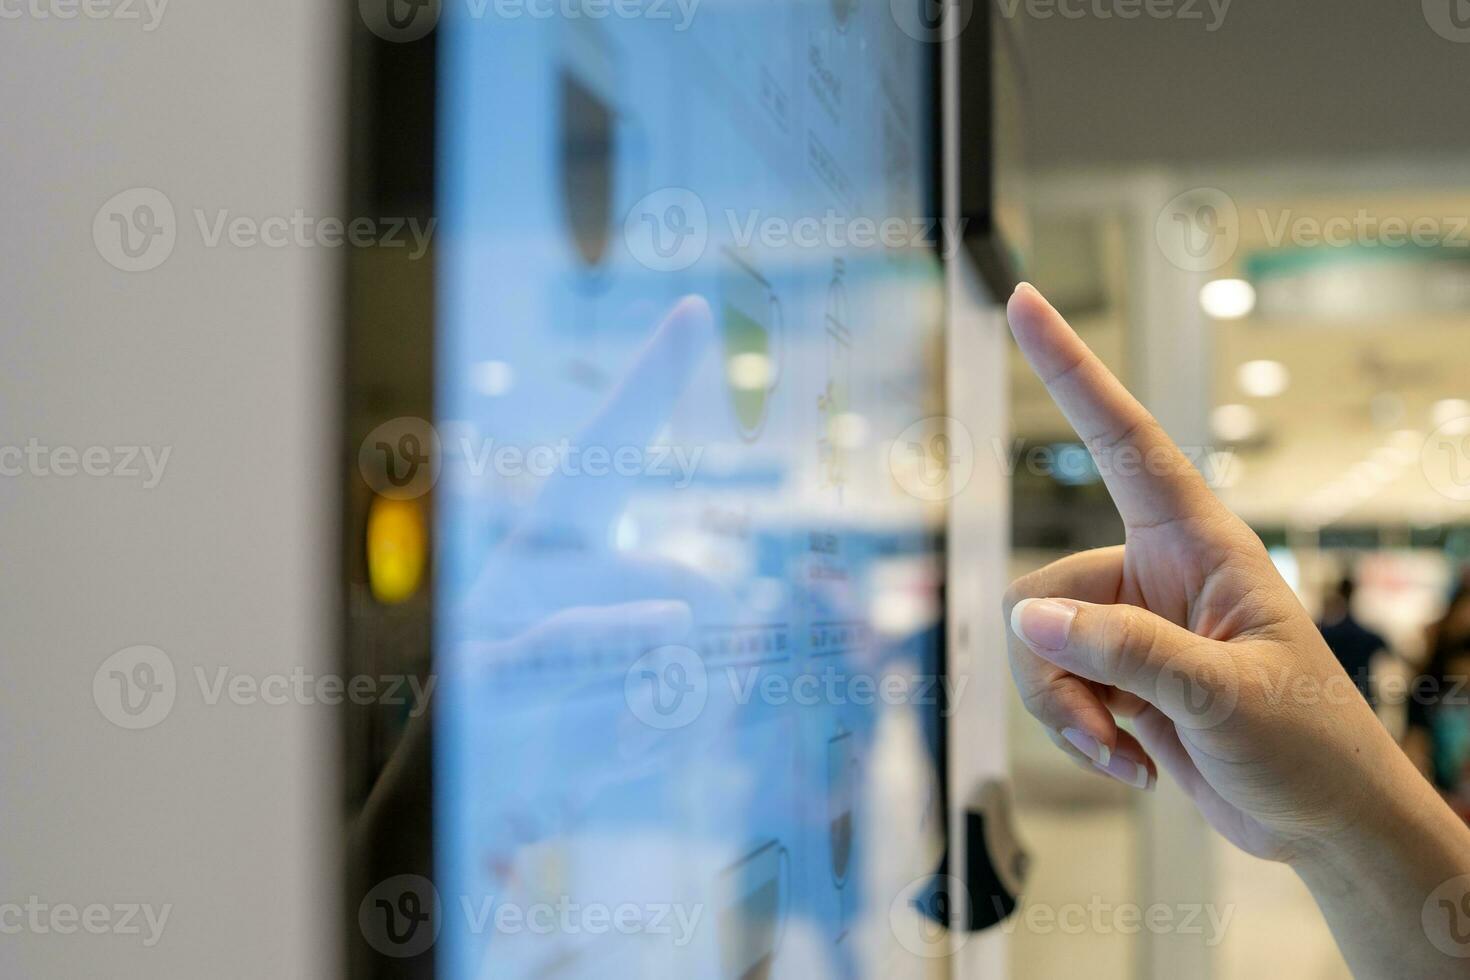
<point>1393,817</point>
<point>1384,877</point>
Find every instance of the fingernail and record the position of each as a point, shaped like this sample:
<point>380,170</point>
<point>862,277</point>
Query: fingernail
<point>1043,623</point>
<point>1087,745</point>
<point>1128,771</point>
<point>1024,285</point>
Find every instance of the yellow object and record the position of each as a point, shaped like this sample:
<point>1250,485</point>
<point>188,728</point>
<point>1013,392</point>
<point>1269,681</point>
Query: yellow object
<point>397,548</point>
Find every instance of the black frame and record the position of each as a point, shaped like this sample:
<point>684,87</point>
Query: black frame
<point>979,142</point>
<point>391,146</point>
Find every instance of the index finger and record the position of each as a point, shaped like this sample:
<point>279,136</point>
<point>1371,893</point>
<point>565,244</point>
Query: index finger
<point>1150,480</point>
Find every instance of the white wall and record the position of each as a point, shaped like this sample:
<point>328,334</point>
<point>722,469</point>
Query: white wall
<point>223,356</point>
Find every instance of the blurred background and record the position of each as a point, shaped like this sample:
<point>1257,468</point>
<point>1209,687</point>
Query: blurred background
<point>1262,228</point>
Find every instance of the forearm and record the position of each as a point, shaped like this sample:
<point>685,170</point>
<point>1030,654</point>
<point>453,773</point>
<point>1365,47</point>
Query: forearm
<point>1387,884</point>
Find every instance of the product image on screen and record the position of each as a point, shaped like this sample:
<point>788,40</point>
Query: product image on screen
<point>689,559</point>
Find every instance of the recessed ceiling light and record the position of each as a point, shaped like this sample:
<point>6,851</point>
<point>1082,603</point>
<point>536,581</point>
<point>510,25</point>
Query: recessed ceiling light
<point>1368,475</point>
<point>1262,379</point>
<point>1408,441</point>
<point>1227,299</point>
<point>1233,423</point>
<point>1394,457</point>
<point>1451,414</point>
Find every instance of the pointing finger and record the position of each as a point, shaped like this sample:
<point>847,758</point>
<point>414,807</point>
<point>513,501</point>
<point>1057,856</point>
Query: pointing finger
<point>1150,480</point>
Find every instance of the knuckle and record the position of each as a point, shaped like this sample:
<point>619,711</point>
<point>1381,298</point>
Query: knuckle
<point>1044,700</point>
<point>1243,542</point>
<point>1032,700</point>
<point>1122,636</point>
<point>1025,587</point>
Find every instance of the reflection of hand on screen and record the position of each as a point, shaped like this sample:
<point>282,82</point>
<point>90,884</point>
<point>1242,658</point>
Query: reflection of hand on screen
<point>556,571</point>
<point>558,554</point>
<point>640,405</point>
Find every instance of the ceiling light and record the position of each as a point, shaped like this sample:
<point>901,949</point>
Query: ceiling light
<point>1393,457</point>
<point>1227,299</point>
<point>1262,379</point>
<point>1233,423</point>
<point>1368,475</point>
<point>1452,415</point>
<point>1407,440</point>
<point>1384,456</point>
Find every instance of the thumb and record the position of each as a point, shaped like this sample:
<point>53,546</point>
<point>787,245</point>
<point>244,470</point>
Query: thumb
<point>1186,676</point>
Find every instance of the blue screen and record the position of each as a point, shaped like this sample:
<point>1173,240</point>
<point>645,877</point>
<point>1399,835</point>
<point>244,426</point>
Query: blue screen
<point>688,568</point>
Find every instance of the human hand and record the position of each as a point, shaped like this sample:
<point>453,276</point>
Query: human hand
<point>1188,629</point>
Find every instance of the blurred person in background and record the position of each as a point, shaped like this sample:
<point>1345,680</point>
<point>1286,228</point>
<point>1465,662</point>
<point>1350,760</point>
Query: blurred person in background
<point>1437,736</point>
<point>1353,644</point>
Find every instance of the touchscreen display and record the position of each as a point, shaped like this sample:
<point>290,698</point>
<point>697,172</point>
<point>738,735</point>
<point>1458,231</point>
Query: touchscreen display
<point>688,529</point>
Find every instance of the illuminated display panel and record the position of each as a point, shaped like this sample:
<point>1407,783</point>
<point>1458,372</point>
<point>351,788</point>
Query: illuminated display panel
<point>688,566</point>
